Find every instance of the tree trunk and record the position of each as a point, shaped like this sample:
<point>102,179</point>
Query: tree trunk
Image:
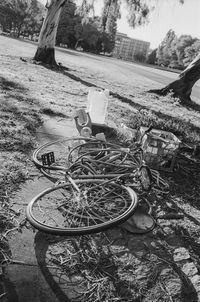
<point>46,44</point>
<point>182,87</point>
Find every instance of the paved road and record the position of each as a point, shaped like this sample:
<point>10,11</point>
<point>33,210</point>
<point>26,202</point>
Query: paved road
<point>127,71</point>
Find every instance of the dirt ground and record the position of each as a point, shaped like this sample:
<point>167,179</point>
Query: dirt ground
<point>162,265</point>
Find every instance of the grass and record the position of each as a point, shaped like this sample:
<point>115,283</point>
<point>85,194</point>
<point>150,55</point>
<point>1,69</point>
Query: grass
<point>17,140</point>
<point>183,125</point>
<point>186,131</point>
<point>17,130</point>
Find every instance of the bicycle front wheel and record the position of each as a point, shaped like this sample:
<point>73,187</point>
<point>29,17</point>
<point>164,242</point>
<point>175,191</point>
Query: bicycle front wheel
<point>97,206</point>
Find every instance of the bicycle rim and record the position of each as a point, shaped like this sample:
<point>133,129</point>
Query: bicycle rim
<point>98,206</point>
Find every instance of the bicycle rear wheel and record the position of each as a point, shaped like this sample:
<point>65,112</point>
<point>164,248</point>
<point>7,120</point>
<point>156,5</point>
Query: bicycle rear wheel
<point>98,205</point>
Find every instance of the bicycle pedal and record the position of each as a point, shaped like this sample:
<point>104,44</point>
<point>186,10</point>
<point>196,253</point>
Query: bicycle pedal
<point>48,158</point>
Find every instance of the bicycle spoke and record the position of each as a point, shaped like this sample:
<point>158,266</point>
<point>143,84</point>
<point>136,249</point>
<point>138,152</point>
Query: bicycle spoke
<point>97,206</point>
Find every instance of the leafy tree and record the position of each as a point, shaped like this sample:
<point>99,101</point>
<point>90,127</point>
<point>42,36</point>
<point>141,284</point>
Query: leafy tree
<point>107,43</point>
<point>173,58</point>
<point>169,49</point>
<point>6,16</point>
<point>139,57</point>
<point>105,12</point>
<point>164,52</point>
<point>191,52</point>
<point>110,14</point>
<point>152,57</point>
<point>21,16</point>
<point>67,24</point>
<point>183,42</point>
<point>138,12</point>
<point>33,21</point>
<point>90,34</point>
<point>176,52</point>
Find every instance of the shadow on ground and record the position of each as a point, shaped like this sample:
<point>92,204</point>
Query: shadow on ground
<point>8,85</point>
<point>111,265</point>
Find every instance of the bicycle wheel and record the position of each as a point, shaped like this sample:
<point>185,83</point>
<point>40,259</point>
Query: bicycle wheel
<point>97,206</point>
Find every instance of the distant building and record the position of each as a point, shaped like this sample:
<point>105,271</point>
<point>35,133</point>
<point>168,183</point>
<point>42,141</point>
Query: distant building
<point>128,49</point>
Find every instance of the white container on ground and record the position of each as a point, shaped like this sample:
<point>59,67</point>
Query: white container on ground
<point>97,105</point>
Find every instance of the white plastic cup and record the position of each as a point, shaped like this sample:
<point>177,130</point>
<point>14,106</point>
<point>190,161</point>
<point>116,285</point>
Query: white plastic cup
<point>97,105</point>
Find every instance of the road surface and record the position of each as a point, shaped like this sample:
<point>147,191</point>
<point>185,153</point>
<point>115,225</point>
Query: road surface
<point>109,69</point>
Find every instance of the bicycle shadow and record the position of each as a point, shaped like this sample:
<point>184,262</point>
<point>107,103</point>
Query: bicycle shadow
<point>133,264</point>
<point>153,251</point>
<point>8,288</point>
<point>41,247</point>
<point>98,263</point>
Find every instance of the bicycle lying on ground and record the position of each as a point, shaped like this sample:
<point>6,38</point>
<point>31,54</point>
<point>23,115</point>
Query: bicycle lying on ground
<point>96,185</point>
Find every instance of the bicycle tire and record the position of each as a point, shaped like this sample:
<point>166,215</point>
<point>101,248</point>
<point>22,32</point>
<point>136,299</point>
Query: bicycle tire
<point>80,216</point>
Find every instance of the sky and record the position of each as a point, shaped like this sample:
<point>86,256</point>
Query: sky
<point>168,14</point>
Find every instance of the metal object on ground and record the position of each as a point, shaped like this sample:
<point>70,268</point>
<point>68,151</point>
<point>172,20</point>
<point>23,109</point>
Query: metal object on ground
<point>48,158</point>
<point>160,148</point>
<point>83,123</point>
